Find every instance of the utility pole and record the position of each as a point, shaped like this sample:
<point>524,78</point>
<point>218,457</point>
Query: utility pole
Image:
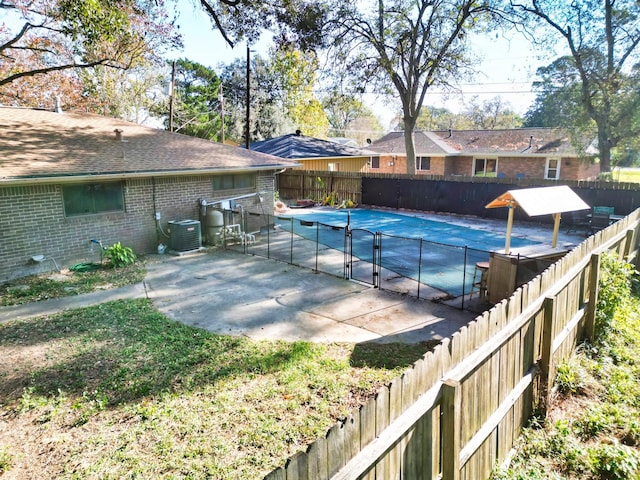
<point>247,128</point>
<point>221,100</point>
<point>171,96</point>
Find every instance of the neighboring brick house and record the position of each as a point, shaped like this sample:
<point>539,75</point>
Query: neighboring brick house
<point>315,154</point>
<point>67,178</point>
<point>517,153</point>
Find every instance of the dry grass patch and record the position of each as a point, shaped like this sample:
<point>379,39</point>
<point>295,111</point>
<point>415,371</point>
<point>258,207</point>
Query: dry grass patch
<point>120,391</point>
<point>68,282</point>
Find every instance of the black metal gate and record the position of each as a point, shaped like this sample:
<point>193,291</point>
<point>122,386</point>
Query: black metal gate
<point>362,256</point>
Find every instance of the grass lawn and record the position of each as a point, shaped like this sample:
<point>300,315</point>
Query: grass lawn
<point>630,175</point>
<point>120,391</point>
<point>67,283</point>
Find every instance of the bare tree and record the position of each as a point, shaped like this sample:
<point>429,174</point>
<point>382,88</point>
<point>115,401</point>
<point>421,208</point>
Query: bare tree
<point>406,46</point>
<point>602,38</point>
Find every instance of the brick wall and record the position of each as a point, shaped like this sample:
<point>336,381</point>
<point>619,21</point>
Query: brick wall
<point>398,164</point>
<point>530,167</point>
<point>32,221</point>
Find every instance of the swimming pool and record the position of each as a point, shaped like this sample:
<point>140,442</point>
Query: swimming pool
<point>410,226</point>
<point>440,254</point>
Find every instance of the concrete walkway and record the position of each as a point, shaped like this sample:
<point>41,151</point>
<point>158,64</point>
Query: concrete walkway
<point>233,294</point>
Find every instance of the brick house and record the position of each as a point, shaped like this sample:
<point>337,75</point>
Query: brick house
<point>516,153</point>
<point>67,178</point>
<point>315,154</point>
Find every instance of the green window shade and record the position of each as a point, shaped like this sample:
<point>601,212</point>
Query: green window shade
<point>87,199</point>
<point>233,182</point>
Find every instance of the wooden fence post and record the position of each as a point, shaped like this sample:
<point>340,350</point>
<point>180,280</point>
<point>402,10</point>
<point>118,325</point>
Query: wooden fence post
<point>627,244</point>
<point>451,414</point>
<point>278,474</point>
<point>546,362</point>
<point>594,278</point>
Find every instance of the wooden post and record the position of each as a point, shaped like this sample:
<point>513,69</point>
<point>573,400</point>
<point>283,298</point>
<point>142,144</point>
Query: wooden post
<point>627,244</point>
<point>507,242</point>
<point>594,278</point>
<point>556,228</point>
<point>546,362</point>
<point>451,406</point>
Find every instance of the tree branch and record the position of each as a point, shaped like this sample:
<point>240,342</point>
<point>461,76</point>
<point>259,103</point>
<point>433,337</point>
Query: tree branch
<point>214,16</point>
<point>56,68</point>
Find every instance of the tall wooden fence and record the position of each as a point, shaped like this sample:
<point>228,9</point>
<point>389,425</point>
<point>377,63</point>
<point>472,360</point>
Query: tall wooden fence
<point>301,184</point>
<point>450,194</point>
<point>460,408</point>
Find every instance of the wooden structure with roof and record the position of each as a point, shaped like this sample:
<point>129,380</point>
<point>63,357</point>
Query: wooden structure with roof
<point>509,268</point>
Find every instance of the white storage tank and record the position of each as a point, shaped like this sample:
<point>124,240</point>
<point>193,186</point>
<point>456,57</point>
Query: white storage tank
<point>214,223</point>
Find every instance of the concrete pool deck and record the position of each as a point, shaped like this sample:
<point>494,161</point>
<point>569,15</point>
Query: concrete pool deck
<point>230,293</point>
<point>233,294</point>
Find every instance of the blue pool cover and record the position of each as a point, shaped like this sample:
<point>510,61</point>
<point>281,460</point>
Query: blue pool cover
<point>440,254</point>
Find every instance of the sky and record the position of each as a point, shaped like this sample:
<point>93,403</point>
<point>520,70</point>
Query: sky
<point>507,65</point>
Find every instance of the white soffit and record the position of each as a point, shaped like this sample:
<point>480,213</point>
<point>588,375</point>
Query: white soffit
<point>541,201</point>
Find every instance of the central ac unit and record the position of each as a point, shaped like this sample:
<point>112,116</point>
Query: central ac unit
<point>185,235</point>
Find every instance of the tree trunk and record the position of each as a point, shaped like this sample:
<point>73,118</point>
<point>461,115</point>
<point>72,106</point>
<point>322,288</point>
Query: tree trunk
<point>409,126</point>
<point>604,148</point>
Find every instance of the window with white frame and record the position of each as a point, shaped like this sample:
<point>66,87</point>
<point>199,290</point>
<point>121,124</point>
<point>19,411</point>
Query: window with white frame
<point>334,167</point>
<point>485,167</point>
<point>552,169</point>
<point>423,163</point>
<point>374,162</point>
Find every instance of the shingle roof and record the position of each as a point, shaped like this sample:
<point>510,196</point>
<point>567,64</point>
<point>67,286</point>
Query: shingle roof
<point>424,143</point>
<point>513,141</point>
<point>519,141</point>
<point>39,144</point>
<point>295,146</point>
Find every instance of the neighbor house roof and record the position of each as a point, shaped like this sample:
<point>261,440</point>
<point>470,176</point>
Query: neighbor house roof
<point>424,143</point>
<point>39,145</point>
<point>518,141</point>
<point>294,146</point>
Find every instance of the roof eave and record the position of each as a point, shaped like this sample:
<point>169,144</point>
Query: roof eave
<point>147,174</point>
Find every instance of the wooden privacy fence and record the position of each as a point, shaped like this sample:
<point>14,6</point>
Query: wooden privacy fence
<point>300,184</point>
<point>458,411</point>
<point>451,194</point>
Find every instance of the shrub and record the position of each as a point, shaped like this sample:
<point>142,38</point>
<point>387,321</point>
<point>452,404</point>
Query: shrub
<point>570,377</point>
<point>6,460</point>
<point>614,289</point>
<point>118,256</point>
<point>615,462</point>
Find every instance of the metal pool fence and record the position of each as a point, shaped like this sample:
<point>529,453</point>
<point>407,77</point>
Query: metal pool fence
<point>412,266</point>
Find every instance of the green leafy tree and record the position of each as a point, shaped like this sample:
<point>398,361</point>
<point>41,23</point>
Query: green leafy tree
<point>294,74</point>
<point>349,117</point>
<point>491,114</point>
<point>134,95</point>
<point>602,39</point>
<point>436,118</point>
<point>292,21</point>
<point>406,46</point>
<point>197,103</point>
<point>41,37</point>
<point>267,117</point>
<point>557,102</point>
